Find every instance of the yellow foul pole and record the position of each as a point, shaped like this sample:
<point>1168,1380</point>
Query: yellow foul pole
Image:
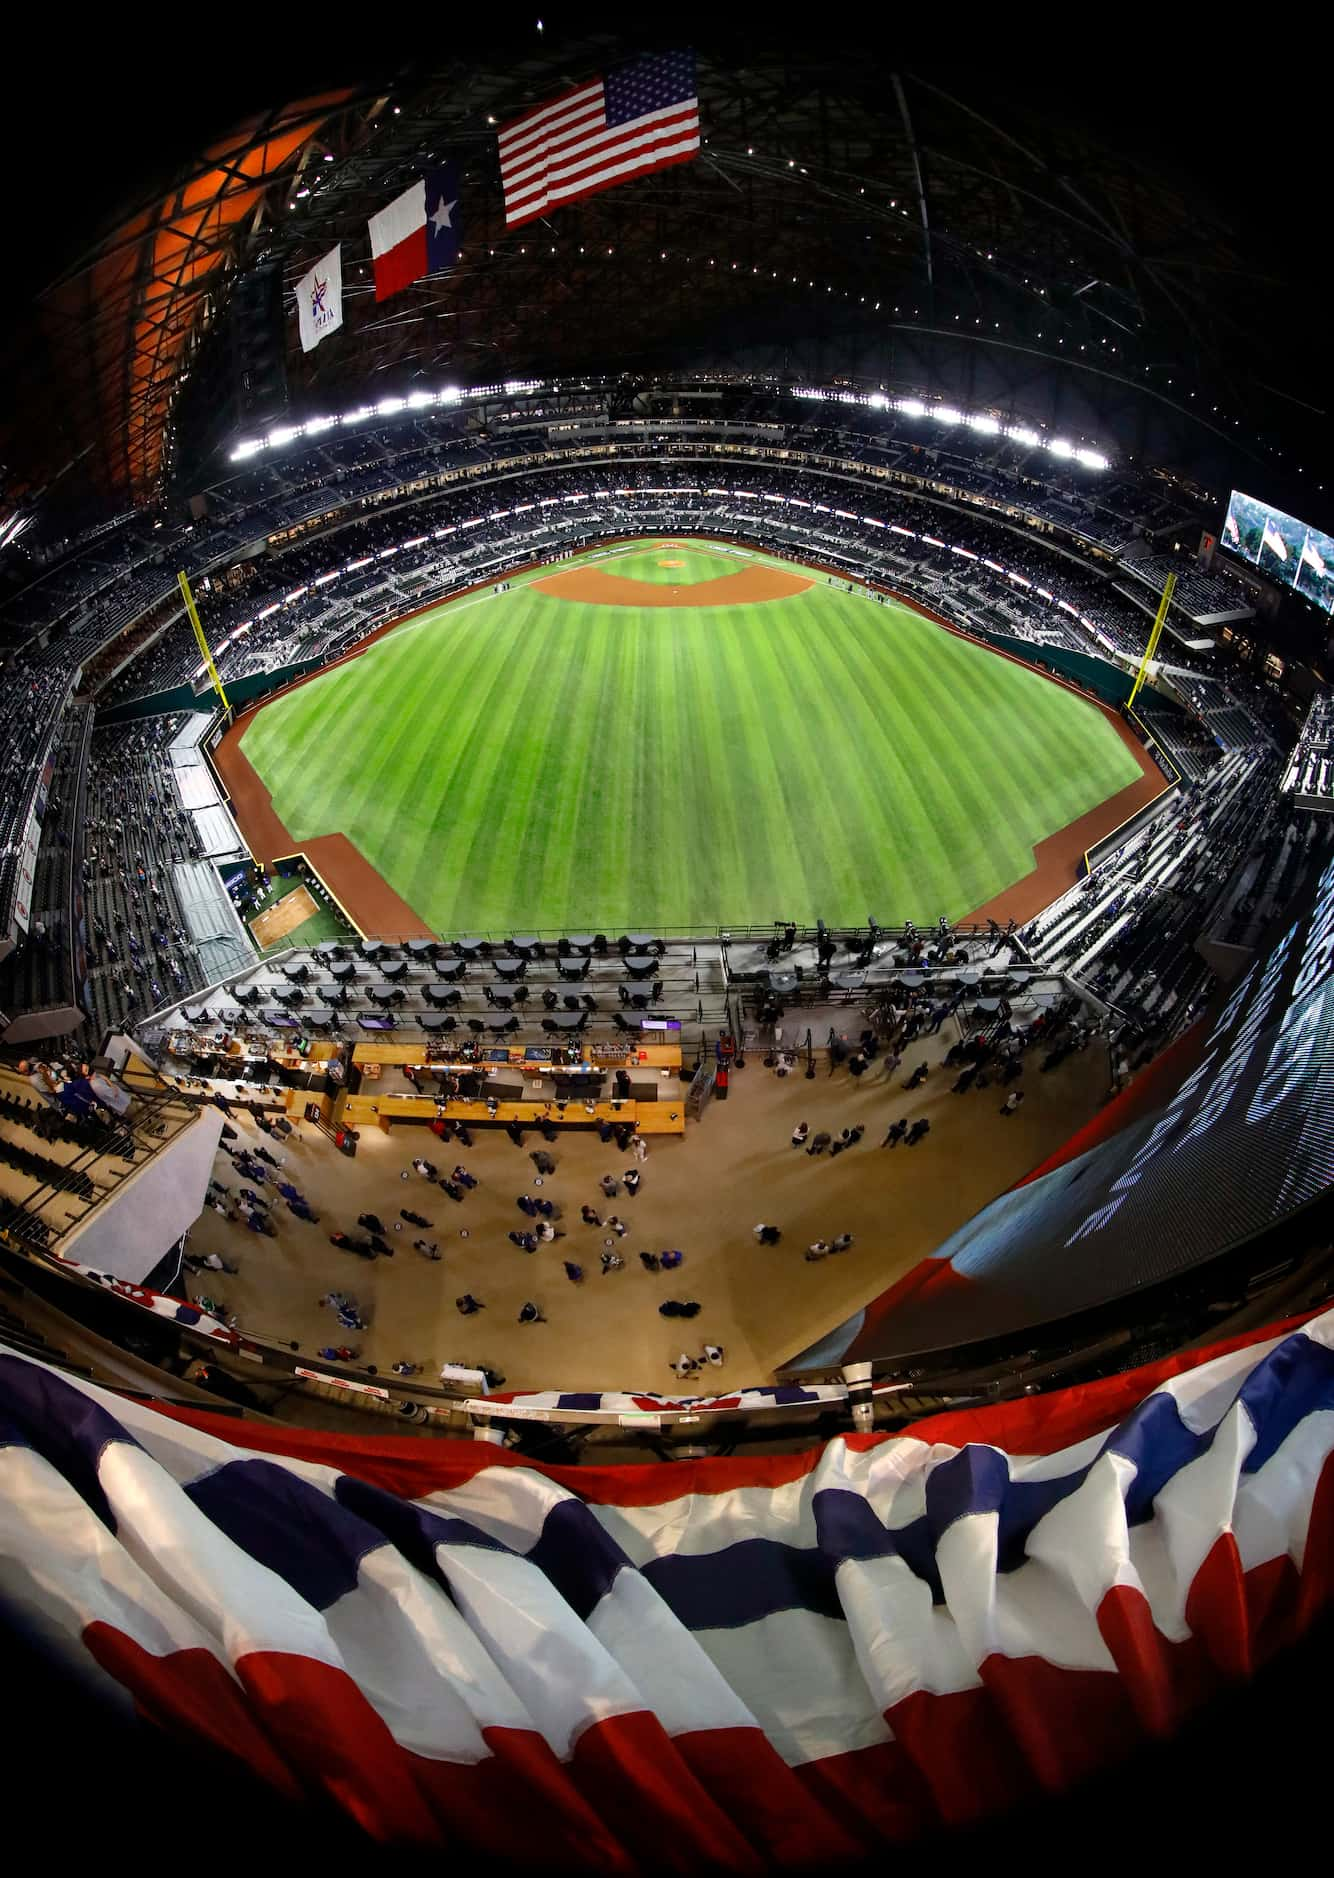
<point>1154,636</point>
<point>209,666</point>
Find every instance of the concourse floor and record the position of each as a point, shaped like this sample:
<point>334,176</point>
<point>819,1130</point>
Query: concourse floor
<point>704,1193</point>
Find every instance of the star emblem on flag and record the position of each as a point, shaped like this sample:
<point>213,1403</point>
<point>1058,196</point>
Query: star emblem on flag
<point>443,211</point>
<point>317,294</point>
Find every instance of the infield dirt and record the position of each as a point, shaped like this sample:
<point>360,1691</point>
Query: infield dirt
<point>593,586</point>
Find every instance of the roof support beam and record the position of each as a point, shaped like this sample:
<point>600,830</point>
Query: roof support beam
<point>921,188</point>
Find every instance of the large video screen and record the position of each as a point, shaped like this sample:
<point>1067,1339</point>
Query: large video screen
<point>1285,550</point>
<point>1243,1141</point>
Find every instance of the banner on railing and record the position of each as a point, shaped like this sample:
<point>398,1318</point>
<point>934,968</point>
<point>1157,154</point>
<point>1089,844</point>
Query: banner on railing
<point>766,1662</point>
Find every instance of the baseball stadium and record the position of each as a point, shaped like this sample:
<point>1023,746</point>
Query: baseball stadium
<point>666,959</point>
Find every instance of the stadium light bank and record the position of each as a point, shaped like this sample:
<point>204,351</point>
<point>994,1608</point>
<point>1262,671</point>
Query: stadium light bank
<point>949,414</point>
<point>452,395</point>
<point>283,434</point>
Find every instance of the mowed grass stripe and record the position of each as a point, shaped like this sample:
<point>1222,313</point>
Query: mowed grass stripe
<point>899,816</point>
<point>888,663</point>
<point>815,728</point>
<point>747,665</point>
<point>525,760</point>
<point>986,829</point>
<point>562,885</point>
<point>756,652</point>
<point>499,775</point>
<point>716,811</point>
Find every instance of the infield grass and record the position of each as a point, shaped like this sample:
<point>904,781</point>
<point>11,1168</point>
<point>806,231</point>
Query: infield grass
<point>524,760</point>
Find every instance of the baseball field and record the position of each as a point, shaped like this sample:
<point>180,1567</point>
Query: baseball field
<point>673,734</point>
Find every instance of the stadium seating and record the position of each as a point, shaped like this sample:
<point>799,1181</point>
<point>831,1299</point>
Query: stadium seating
<point>1129,930</point>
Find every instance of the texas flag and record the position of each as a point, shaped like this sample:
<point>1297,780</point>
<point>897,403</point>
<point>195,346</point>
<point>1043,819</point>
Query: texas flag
<point>418,233</point>
<point>1272,540</point>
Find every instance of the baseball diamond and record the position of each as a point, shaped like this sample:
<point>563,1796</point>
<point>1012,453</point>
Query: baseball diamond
<point>683,734</point>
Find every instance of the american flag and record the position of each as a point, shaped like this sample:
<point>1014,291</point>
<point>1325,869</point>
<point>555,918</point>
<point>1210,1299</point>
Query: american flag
<point>641,117</point>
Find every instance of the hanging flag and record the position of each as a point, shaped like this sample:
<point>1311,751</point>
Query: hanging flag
<point>418,233</point>
<point>1273,540</point>
<point>1312,557</point>
<point>319,299</point>
<point>767,1662</point>
<point>639,118</point>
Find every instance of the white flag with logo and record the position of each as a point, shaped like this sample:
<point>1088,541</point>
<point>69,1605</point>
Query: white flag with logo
<point>319,299</point>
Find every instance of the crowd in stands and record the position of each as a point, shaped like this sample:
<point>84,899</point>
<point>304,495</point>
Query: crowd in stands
<point>1213,849</point>
<point>91,588</point>
<point>43,970</point>
<point>315,598</point>
<point>63,1122</point>
<point>140,955</point>
<point>1310,769</point>
<point>1200,593</point>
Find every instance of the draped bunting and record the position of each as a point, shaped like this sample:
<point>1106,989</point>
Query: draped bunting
<point>755,1663</point>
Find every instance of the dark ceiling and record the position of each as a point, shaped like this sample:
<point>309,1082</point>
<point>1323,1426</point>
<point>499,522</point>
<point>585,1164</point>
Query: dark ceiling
<point>1131,243</point>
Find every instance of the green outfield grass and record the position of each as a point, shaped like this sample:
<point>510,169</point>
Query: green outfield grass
<point>522,760</point>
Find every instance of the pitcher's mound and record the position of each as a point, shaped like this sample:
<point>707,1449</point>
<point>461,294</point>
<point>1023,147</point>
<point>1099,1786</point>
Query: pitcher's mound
<point>593,586</point>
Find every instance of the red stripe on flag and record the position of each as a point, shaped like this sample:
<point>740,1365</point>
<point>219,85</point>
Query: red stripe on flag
<point>399,266</point>
<point>565,198</point>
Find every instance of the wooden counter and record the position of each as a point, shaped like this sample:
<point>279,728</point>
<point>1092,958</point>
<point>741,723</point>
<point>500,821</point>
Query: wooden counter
<point>647,1056</point>
<point>382,1111</point>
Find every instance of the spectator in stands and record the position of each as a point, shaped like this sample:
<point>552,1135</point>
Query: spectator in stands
<point>41,1079</point>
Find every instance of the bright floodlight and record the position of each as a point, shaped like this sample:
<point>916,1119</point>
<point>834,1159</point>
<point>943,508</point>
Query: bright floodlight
<point>1020,433</point>
<point>980,421</point>
<point>911,407</point>
<point>946,414</point>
